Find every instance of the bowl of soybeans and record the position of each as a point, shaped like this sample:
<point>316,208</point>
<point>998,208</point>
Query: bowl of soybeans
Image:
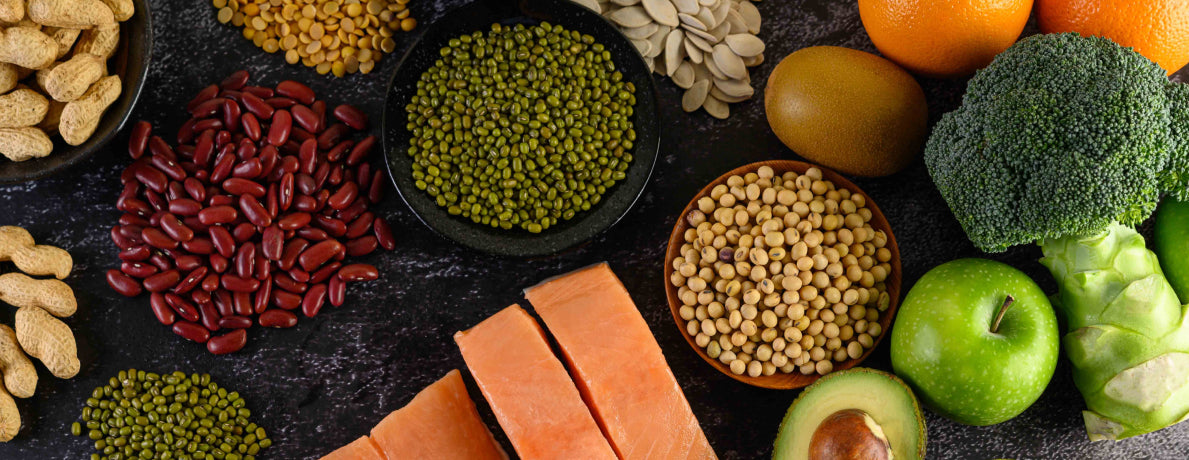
<point>779,272</point>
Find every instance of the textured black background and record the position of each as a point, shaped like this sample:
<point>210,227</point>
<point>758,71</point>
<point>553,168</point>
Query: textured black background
<point>327,381</point>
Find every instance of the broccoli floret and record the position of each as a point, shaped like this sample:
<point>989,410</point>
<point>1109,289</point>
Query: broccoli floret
<point>1060,136</point>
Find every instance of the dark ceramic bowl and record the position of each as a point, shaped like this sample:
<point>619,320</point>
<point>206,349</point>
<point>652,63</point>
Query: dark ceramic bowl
<point>131,63</point>
<point>480,15</point>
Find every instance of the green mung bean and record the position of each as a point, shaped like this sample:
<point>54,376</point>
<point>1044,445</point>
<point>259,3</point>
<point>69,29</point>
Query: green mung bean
<point>521,126</point>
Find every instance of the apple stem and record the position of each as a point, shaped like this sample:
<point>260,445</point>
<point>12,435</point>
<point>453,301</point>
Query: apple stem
<point>999,317</point>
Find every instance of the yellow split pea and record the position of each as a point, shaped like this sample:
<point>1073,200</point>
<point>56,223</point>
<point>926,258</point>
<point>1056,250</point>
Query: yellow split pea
<point>332,36</point>
<point>782,274</point>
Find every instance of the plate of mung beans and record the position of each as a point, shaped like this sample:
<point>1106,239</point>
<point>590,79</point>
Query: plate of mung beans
<point>521,128</point>
<point>779,272</point>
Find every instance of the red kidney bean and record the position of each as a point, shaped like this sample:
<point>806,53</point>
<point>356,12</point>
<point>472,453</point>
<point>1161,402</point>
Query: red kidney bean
<point>223,303</point>
<point>185,207</point>
<point>139,139</point>
<point>167,166</point>
<point>311,304</point>
<point>351,212</point>
<point>245,149</point>
<point>291,252</point>
<point>304,203</point>
<point>151,177</point>
<point>138,269</point>
<point>191,280</point>
<point>332,135</point>
<point>191,331</point>
<point>263,267</point>
<point>280,102</point>
<point>121,241</point>
<point>337,152</point>
<point>242,303</point>
<point>361,151</point>
<point>223,241</point>
<point>219,263</point>
<point>361,225</point>
<point>245,260</point>
<point>344,196</point>
<point>123,284</point>
<point>241,186</point>
<point>285,299</point>
<point>313,234</point>
<point>299,135</point>
<point>271,203</point>
<point>297,91</point>
<point>351,116</point>
<point>318,254</point>
<point>363,175</point>
<point>175,228</point>
<point>277,318</point>
<point>199,245</point>
<point>221,200</point>
<point>165,315</point>
<point>156,201</point>
<point>214,124</point>
<point>158,239</point>
<point>129,219</point>
<point>195,189</point>
<point>187,262</point>
<point>278,130</point>
<point>271,242</point>
<point>293,221</point>
<point>235,322</point>
<point>222,138</point>
<point>158,147</point>
<point>205,95</point>
<point>326,272</point>
<point>286,282</point>
<point>336,291</point>
<point>254,211</point>
<point>257,107</point>
<point>207,108</point>
<point>306,118</point>
<point>301,276</point>
<point>243,232</point>
<point>358,272</point>
<point>135,254</point>
<point>215,215</point>
<point>251,125</point>
<point>249,169</point>
<point>210,283</point>
<point>238,284</point>
<point>361,246</point>
<point>307,156</point>
<point>186,131</point>
<point>183,308</point>
<point>230,342</point>
<point>235,81</point>
<point>285,192</point>
<point>384,234</point>
<point>260,302</point>
<point>210,317</point>
<point>319,109</point>
<point>305,184</point>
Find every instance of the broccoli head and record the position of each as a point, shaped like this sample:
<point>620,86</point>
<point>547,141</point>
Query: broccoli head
<point>1060,136</point>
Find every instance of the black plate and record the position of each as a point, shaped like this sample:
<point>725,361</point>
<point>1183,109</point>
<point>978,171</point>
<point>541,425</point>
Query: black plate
<point>480,15</point>
<point>131,63</point>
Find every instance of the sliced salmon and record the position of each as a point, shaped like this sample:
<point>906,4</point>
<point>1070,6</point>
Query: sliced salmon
<point>359,449</point>
<point>618,366</point>
<point>439,423</point>
<point>529,390</point>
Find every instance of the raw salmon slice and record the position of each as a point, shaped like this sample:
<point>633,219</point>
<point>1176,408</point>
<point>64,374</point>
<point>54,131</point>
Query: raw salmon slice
<point>529,390</point>
<point>618,366</point>
<point>439,423</point>
<point>360,449</point>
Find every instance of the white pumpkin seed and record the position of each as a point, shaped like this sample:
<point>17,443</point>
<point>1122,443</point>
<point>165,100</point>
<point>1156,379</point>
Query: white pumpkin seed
<point>632,16</point>
<point>713,68</point>
<point>702,73</point>
<point>736,21</point>
<point>674,50</point>
<point>686,6</point>
<point>708,2</point>
<point>662,11</point>
<point>639,33</point>
<point>716,108</point>
<point>592,5</point>
<point>695,96</point>
<point>625,2</point>
<point>735,88</point>
<point>684,75</point>
<point>729,62</point>
<point>706,17</point>
<point>658,65</point>
<point>690,21</point>
<point>751,16</point>
<point>720,11</point>
<point>692,50</point>
<point>722,96</point>
<point>745,45</point>
<point>720,32</point>
<point>700,43</point>
<point>706,36</point>
<point>754,60</point>
<point>643,46</point>
<point>650,65</point>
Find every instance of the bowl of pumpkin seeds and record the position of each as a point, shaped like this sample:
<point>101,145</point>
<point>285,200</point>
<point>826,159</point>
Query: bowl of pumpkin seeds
<point>521,128</point>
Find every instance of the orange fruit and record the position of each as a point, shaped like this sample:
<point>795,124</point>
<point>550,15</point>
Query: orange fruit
<point>1157,29</point>
<point>943,38</point>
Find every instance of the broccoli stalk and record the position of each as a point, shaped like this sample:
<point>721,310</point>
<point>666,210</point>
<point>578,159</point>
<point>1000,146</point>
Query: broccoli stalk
<point>1070,141</point>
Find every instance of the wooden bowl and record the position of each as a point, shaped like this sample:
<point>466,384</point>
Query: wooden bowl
<point>781,381</point>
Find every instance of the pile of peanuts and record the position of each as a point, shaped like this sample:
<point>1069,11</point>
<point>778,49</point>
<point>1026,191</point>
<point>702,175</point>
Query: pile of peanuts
<point>332,36</point>
<point>251,216</point>
<point>782,273</point>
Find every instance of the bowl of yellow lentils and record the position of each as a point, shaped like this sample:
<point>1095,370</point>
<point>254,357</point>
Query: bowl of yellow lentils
<point>779,272</point>
<point>338,37</point>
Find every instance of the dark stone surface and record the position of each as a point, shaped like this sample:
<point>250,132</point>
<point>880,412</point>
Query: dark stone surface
<point>327,381</point>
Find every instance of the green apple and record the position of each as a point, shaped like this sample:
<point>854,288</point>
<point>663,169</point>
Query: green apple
<point>977,340</point>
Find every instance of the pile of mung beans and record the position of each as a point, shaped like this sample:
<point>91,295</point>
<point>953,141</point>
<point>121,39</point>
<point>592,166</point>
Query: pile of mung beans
<point>521,127</point>
<point>250,218</point>
<point>177,416</point>
<point>782,274</point>
<point>332,36</point>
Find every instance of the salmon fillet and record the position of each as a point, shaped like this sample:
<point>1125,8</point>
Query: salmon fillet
<point>439,423</point>
<point>359,449</point>
<point>529,390</point>
<point>618,366</point>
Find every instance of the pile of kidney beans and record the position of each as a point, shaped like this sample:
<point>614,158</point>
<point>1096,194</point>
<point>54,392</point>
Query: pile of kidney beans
<point>250,217</point>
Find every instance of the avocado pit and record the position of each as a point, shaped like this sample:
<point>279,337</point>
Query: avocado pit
<point>849,434</point>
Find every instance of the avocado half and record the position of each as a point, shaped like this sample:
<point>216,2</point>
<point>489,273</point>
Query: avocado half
<point>857,413</point>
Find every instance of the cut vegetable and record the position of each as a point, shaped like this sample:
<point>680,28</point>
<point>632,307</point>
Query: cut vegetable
<point>360,449</point>
<point>439,423</point>
<point>618,366</point>
<point>529,390</point>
